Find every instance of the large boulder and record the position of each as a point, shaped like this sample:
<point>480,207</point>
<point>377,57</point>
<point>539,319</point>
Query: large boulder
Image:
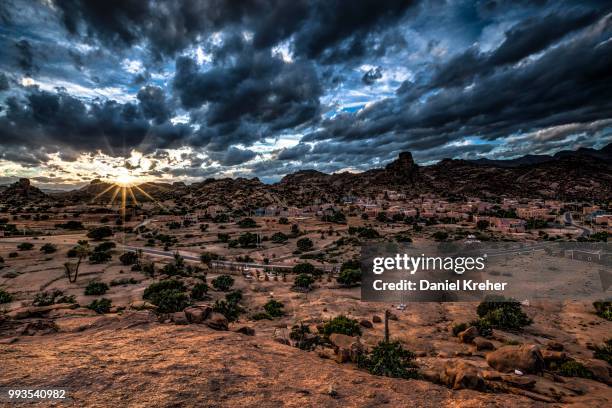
<point>482,344</point>
<point>468,335</point>
<point>38,311</point>
<point>459,375</point>
<point>366,323</point>
<point>600,370</point>
<point>347,348</point>
<point>197,314</point>
<point>376,319</point>
<point>526,358</point>
<point>179,318</point>
<point>246,330</point>
<point>217,321</point>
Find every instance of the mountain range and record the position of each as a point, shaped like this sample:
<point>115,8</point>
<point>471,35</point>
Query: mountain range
<point>583,175</point>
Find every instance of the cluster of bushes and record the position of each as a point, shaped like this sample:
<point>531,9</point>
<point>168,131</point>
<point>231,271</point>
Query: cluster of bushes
<point>279,238</point>
<point>229,307</point>
<point>304,244</point>
<point>337,217</point>
<point>350,273</point>
<point>98,234</point>
<point>300,334</point>
<point>52,297</point>
<point>96,288</point>
<point>604,352</point>
<point>499,312</point>
<point>129,258</point>
<point>603,308</point>
<point>208,257</point>
<point>180,268</point>
<point>25,246</point>
<point>247,223</point>
<point>168,295</point>
<point>71,225</point>
<point>303,282</point>
<point>199,291</point>
<point>48,248</point>
<point>273,308</point>
<point>123,281</point>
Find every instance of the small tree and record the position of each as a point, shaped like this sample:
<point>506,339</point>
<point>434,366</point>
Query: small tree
<point>349,277</point>
<point>274,308</point>
<point>72,269</point>
<point>48,248</point>
<point>302,282</point>
<point>247,223</point>
<point>100,306</point>
<point>98,234</point>
<point>96,288</point>
<point>25,246</point>
<point>279,238</point>
<point>390,359</point>
<point>129,258</point>
<point>342,325</point>
<point>199,291</point>
<point>304,268</point>
<point>223,283</point>
<point>304,244</point>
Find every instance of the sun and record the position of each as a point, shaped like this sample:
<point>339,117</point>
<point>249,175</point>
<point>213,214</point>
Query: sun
<point>124,180</point>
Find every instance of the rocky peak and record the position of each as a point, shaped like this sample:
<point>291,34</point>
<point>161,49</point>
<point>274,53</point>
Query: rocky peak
<point>402,170</point>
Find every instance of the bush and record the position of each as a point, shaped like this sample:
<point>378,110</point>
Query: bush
<point>47,298</point>
<point>349,277</point>
<point>129,258</point>
<point>390,360</point>
<point>199,291</point>
<point>261,316</point>
<point>123,281</point>
<point>274,308</point>
<point>364,232</point>
<point>502,313</point>
<point>5,297</point>
<point>604,352</point>
<point>105,247</point>
<point>574,369</point>
<point>304,244</point>
<point>208,257</point>
<point>171,301</point>
<point>283,221</point>
<point>484,327</point>
<point>25,246</point>
<point>279,238</point>
<point>71,225</point>
<point>13,255</point>
<point>155,288</point>
<point>234,296</point>
<point>223,283</point>
<point>304,268</point>
<point>99,257</point>
<point>96,288</point>
<point>231,310</point>
<point>98,234</point>
<point>440,235</point>
<point>342,325</point>
<point>300,333</point>
<point>48,248</point>
<point>458,328</point>
<point>100,306</point>
<point>303,281</point>
<point>603,308</point>
<point>247,240</point>
<point>247,223</point>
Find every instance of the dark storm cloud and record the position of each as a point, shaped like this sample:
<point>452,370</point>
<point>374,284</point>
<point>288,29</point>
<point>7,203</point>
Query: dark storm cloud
<point>233,156</point>
<point>4,83</point>
<point>154,105</point>
<point>26,56</point>
<point>372,75</point>
<point>257,89</point>
<point>296,152</point>
<point>62,123</point>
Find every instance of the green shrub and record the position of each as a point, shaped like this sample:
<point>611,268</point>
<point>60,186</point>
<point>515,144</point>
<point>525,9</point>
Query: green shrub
<point>208,257</point>
<point>604,352</point>
<point>25,246</point>
<point>123,281</point>
<point>129,258</point>
<point>283,221</point>
<point>484,327</point>
<point>279,238</point>
<point>390,360</point>
<point>96,288</point>
<point>458,328</point>
<point>199,291</point>
<point>48,248</point>
<point>574,369</point>
<point>99,257</point>
<point>170,301</point>
<point>274,308</point>
<point>303,282</point>
<point>100,306</point>
<point>502,313</point>
<point>234,296</point>
<point>304,244</point>
<point>300,333</point>
<point>349,277</point>
<point>223,283</point>
<point>603,308</point>
<point>303,268</point>
<point>247,223</point>
<point>13,255</point>
<point>47,298</point>
<point>342,325</point>
<point>98,234</point>
<point>247,240</point>
<point>105,246</point>
<point>261,316</point>
<point>155,288</point>
<point>5,297</point>
<point>230,310</point>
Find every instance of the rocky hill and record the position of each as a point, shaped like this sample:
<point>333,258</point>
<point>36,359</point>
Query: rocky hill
<point>21,193</point>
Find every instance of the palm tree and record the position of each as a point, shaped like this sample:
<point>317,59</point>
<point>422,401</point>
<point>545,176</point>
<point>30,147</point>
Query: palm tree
<point>82,250</point>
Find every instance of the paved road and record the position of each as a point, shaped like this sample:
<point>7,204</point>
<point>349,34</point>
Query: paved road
<point>585,231</point>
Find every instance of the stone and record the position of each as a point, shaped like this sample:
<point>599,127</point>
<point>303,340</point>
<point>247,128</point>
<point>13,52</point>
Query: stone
<point>518,381</point>
<point>376,319</point>
<point>37,311</point>
<point>468,335</point>
<point>393,316</point>
<point>600,370</point>
<point>347,347</point>
<point>483,344</point>
<point>554,346</point>
<point>179,318</point>
<point>9,340</point>
<point>553,356</point>
<point>142,305</point>
<point>461,375</point>
<point>197,314</point>
<point>217,321</point>
<point>366,323</point>
<point>526,358</point>
<point>246,330</point>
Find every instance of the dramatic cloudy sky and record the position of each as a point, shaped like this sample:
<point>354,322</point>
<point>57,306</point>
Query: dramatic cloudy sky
<point>184,90</point>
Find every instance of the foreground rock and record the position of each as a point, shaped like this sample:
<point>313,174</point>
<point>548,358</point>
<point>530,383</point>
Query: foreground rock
<point>38,311</point>
<point>526,358</point>
<point>347,348</point>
